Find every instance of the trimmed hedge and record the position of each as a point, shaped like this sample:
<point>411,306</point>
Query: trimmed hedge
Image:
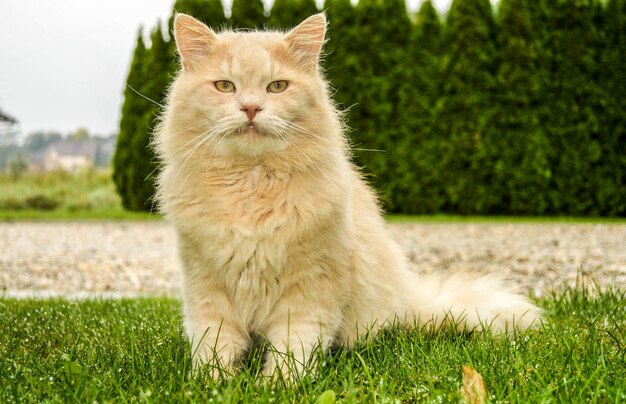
<point>514,111</point>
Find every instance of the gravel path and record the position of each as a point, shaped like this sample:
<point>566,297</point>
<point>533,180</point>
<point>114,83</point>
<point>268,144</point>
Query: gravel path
<point>139,258</point>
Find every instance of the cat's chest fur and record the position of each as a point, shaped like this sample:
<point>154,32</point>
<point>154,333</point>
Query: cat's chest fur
<point>252,220</point>
<point>247,218</point>
<point>256,202</point>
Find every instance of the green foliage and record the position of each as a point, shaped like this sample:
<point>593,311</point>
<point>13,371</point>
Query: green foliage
<point>523,114</point>
<point>462,111</point>
<point>516,150</point>
<point>418,188</point>
<point>39,141</point>
<point>58,350</point>
<point>134,163</point>
<point>8,153</point>
<point>247,14</point>
<point>131,126</point>
<point>289,13</point>
<point>610,173</point>
<point>382,31</point>
<point>87,190</point>
<point>151,72</point>
<point>342,53</point>
<point>144,165</point>
<point>17,166</point>
<point>569,97</point>
<point>210,12</point>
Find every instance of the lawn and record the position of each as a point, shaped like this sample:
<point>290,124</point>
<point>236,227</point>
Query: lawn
<point>445,218</point>
<point>60,195</point>
<point>91,195</point>
<point>134,350</point>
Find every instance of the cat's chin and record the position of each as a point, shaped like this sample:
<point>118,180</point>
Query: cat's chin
<point>251,141</point>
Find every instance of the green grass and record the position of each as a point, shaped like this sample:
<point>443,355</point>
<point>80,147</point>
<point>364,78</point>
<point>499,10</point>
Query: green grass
<point>442,218</point>
<point>91,195</point>
<point>134,350</point>
<point>69,215</point>
<point>59,195</point>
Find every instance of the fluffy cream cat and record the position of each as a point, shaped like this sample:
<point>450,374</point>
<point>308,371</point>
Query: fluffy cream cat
<point>278,233</point>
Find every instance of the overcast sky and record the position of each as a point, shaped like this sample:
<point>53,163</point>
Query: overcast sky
<point>63,63</point>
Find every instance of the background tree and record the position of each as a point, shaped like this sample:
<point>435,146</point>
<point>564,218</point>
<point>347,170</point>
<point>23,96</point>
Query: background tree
<point>341,61</point>
<point>79,134</point>
<point>144,166</point>
<point>39,141</point>
<point>419,189</point>
<point>569,95</point>
<point>525,116</point>
<point>17,166</point>
<point>131,125</point>
<point>461,115</point>
<point>247,14</point>
<point>150,74</point>
<point>516,152</point>
<point>289,13</point>
<point>210,12</point>
<point>610,175</point>
<point>384,31</point>
<point>135,163</point>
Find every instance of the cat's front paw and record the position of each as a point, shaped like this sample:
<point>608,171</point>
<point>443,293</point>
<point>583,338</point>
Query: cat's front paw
<point>284,367</point>
<point>213,370</point>
<point>216,365</point>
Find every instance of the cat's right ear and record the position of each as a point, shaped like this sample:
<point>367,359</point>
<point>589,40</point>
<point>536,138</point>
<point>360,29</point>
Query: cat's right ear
<point>193,39</point>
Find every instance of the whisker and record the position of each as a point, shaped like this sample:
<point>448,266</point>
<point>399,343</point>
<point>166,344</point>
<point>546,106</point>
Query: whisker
<point>304,130</point>
<point>180,132</point>
<point>154,142</point>
<point>193,139</point>
<point>370,150</point>
<point>185,163</point>
<point>307,157</point>
<point>219,128</point>
<point>203,138</point>
<point>143,96</point>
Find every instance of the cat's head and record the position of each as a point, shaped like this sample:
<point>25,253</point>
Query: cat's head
<point>249,93</point>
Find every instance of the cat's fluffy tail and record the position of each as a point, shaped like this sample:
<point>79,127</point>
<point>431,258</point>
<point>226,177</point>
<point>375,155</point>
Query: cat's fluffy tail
<point>470,302</point>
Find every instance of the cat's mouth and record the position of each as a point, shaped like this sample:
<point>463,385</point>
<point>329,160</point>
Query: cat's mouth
<point>250,129</point>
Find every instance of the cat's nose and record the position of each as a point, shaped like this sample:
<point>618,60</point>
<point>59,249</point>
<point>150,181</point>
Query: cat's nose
<point>251,110</point>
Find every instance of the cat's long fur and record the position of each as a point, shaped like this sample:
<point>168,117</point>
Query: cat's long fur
<point>278,233</point>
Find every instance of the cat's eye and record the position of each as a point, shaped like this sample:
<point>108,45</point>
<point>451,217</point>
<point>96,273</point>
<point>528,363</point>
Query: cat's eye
<point>277,86</point>
<point>225,86</point>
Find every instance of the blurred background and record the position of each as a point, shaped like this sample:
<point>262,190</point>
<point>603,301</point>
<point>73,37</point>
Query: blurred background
<point>472,107</point>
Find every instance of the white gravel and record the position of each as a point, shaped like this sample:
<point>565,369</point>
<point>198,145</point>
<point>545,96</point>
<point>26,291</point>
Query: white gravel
<point>139,258</point>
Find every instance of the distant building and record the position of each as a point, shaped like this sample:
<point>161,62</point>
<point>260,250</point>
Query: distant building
<point>74,155</point>
<point>9,129</point>
<point>6,118</point>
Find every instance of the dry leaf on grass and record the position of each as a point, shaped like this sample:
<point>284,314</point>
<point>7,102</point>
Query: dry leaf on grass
<point>473,390</point>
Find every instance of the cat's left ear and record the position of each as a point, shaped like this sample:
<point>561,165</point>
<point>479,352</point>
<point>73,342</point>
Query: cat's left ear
<point>306,40</point>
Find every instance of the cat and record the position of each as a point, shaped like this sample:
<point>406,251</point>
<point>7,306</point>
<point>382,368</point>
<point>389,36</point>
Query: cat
<point>278,233</point>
